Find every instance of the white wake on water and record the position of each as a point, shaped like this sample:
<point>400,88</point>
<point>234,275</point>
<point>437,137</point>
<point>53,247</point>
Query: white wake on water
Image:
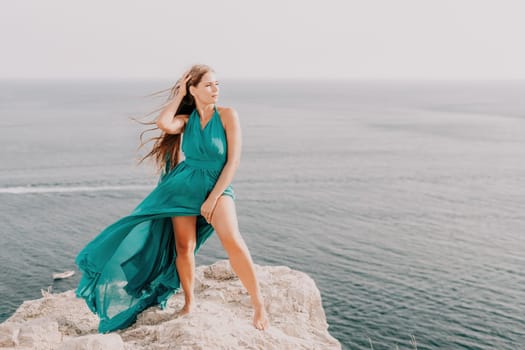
<point>58,189</point>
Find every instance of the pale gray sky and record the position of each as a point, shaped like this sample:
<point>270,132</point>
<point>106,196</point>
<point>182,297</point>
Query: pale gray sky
<point>389,39</point>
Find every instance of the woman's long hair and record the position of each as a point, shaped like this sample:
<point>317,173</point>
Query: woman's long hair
<point>165,150</point>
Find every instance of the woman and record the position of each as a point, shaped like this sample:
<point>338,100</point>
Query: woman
<point>143,258</point>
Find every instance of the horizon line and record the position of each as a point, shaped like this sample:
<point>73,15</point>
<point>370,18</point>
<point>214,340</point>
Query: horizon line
<point>393,79</point>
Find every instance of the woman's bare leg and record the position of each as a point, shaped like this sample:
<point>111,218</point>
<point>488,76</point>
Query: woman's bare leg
<point>224,221</point>
<point>185,240</point>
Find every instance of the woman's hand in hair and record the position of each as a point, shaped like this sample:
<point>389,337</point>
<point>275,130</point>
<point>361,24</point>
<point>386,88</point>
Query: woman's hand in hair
<point>180,86</point>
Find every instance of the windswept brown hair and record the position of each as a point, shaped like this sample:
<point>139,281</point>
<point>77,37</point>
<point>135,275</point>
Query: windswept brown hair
<point>165,150</point>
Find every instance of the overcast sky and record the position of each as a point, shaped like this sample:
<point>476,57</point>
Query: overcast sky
<point>389,39</point>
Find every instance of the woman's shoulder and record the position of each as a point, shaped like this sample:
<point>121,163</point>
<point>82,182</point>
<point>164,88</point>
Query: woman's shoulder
<point>227,114</point>
<point>226,110</point>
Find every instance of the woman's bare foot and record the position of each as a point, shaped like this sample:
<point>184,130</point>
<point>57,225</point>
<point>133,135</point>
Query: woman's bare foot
<point>260,318</point>
<point>187,308</point>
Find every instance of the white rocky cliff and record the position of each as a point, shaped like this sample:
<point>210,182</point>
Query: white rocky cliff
<point>221,320</point>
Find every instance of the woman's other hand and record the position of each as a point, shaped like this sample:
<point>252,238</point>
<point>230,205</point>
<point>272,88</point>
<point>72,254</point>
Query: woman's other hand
<point>207,208</point>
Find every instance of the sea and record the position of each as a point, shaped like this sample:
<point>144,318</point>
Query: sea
<point>403,200</point>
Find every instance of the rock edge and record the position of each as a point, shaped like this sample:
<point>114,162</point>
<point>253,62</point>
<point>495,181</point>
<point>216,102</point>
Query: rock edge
<point>222,318</point>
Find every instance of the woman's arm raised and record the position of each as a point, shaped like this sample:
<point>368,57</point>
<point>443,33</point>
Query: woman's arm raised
<point>167,120</point>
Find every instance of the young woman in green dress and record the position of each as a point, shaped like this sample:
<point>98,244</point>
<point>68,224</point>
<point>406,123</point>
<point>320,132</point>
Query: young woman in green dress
<point>143,258</point>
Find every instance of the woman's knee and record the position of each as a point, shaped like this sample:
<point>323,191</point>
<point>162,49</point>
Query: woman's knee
<point>185,248</point>
<point>185,235</point>
<point>233,243</point>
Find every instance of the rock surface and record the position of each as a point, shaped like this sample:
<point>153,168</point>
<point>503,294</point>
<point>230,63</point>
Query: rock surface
<point>222,318</point>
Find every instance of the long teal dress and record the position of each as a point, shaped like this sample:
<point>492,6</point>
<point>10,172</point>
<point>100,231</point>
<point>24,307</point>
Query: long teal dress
<point>130,265</point>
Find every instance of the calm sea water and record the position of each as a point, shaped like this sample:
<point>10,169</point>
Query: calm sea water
<point>405,201</point>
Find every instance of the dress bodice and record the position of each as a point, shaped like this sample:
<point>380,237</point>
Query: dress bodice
<point>207,145</point>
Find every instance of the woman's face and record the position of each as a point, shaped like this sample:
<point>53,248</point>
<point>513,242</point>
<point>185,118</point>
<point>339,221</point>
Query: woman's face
<point>207,90</point>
